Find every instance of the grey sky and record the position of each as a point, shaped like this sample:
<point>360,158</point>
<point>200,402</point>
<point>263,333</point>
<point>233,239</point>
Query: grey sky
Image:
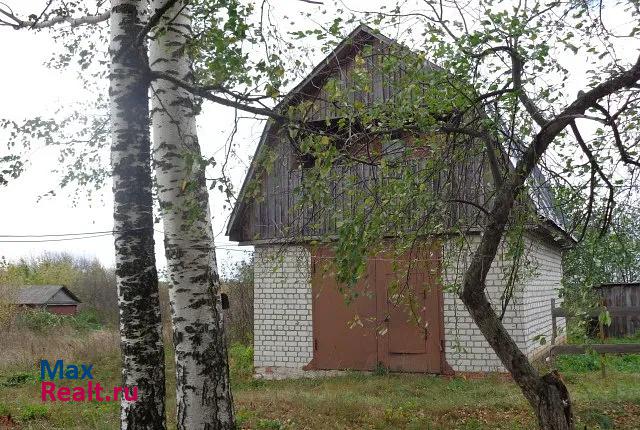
<point>30,89</point>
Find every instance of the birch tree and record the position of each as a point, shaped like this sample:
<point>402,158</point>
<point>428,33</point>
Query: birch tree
<point>203,394</point>
<point>137,280</point>
<point>140,325</point>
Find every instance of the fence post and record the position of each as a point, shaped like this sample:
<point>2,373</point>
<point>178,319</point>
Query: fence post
<point>554,327</point>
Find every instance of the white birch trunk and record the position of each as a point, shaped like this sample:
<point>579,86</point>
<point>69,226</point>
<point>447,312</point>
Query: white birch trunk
<point>203,393</point>
<point>140,325</point>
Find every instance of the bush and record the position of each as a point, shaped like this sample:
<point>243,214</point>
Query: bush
<point>266,424</point>
<point>591,362</point>
<point>241,362</point>
<point>87,319</point>
<point>17,379</point>
<point>39,320</point>
<point>33,412</point>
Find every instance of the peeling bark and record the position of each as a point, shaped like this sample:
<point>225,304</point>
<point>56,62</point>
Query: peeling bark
<point>203,392</point>
<point>137,279</point>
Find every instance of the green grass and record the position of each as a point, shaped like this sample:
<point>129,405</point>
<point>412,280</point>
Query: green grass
<point>40,320</point>
<point>352,401</point>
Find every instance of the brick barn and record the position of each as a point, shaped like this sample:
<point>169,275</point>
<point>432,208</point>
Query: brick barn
<point>301,321</point>
<point>56,299</point>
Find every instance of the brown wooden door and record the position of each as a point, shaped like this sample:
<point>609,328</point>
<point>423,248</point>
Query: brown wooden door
<point>395,320</point>
<point>344,335</point>
<point>409,303</point>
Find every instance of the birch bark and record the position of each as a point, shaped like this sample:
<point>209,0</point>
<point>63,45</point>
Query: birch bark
<point>203,393</point>
<point>140,326</point>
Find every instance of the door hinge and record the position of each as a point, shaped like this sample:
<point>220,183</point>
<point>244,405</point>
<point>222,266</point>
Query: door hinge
<point>441,345</point>
<point>315,344</point>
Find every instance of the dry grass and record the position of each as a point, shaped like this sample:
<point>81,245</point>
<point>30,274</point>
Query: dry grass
<point>354,401</point>
<point>30,337</point>
<point>25,349</point>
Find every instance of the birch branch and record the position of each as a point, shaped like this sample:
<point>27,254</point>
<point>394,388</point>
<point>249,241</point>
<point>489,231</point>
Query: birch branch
<point>11,20</point>
<point>207,94</point>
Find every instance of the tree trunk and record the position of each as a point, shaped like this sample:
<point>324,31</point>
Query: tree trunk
<point>137,279</point>
<point>203,392</point>
<point>547,395</point>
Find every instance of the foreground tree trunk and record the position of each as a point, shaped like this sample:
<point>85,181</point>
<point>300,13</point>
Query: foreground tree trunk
<point>140,325</point>
<point>203,392</point>
<point>547,394</point>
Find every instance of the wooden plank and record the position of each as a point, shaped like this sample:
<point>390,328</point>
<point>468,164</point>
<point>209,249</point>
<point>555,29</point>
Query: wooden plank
<point>613,311</point>
<point>623,348</point>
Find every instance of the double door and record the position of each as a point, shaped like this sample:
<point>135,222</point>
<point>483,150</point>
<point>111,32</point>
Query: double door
<point>392,317</point>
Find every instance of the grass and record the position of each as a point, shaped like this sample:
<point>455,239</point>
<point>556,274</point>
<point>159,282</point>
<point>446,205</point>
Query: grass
<point>353,401</point>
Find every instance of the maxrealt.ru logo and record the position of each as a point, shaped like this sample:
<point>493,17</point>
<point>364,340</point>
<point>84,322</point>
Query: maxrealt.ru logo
<point>91,391</point>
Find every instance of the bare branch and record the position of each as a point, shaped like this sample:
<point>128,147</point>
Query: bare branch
<point>608,213</point>
<point>616,136</point>
<point>14,21</point>
<point>206,93</point>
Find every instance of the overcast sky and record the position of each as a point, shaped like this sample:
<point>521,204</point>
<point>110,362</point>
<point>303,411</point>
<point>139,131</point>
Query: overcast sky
<point>29,88</point>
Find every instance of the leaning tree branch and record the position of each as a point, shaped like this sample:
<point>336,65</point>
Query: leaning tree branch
<point>474,280</point>
<point>516,178</point>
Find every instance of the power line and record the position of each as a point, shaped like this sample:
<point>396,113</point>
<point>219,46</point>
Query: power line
<point>58,237</point>
<point>104,232</point>
<point>53,240</point>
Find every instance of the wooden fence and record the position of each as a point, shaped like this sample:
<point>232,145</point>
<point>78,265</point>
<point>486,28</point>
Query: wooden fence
<point>625,297</point>
<point>601,348</point>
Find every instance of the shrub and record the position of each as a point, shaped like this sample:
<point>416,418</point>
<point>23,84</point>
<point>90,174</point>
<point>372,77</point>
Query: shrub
<point>33,412</point>
<point>265,424</point>
<point>17,379</point>
<point>241,361</point>
<point>591,362</point>
<point>39,320</point>
<point>87,319</point>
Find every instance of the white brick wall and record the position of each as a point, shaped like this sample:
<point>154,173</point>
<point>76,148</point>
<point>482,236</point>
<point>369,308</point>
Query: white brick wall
<point>283,331</point>
<point>528,313</point>
<point>539,291</point>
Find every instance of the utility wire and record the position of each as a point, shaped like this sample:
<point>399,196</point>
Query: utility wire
<point>63,237</point>
<point>104,232</point>
<point>53,240</point>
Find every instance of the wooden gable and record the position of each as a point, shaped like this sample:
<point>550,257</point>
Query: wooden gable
<point>269,209</point>
<point>268,206</point>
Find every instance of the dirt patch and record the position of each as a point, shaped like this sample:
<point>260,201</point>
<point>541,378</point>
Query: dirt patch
<point>6,422</point>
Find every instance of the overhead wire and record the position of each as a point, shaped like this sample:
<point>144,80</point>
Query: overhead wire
<point>61,237</point>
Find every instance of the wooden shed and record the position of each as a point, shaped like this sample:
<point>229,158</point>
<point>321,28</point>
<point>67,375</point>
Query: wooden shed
<point>623,302</point>
<point>56,299</point>
<point>301,320</point>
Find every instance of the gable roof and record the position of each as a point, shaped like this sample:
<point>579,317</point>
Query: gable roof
<point>46,295</point>
<point>358,35</point>
<point>540,193</point>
